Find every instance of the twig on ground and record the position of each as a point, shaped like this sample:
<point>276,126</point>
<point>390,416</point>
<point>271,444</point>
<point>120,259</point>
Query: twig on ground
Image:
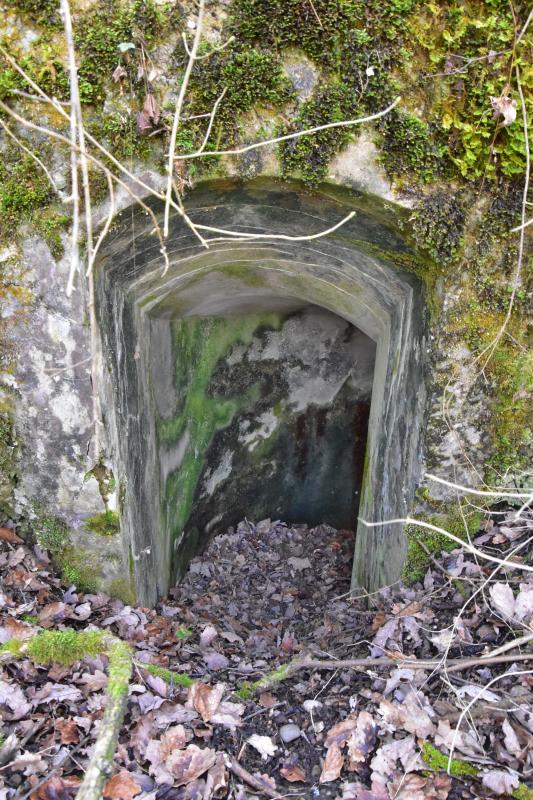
<point>256,783</point>
<point>528,637</point>
<point>363,664</point>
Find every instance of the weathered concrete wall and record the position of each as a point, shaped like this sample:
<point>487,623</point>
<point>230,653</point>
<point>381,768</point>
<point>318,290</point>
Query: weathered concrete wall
<point>281,70</point>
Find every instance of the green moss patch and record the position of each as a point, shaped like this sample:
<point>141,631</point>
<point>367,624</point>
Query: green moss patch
<point>449,519</point>
<point>439,762</point>
<point>64,647</point>
<point>104,524</point>
<point>24,189</point>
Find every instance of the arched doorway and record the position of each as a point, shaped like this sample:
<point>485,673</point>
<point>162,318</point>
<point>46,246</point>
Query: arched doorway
<point>233,371</point>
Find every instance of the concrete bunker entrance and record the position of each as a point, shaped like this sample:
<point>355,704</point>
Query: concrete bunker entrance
<point>275,378</point>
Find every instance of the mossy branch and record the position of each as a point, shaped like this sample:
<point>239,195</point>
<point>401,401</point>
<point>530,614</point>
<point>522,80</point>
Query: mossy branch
<point>248,689</point>
<point>66,647</point>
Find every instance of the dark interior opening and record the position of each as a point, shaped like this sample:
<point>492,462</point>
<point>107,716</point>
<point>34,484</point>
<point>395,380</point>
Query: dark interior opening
<point>279,401</point>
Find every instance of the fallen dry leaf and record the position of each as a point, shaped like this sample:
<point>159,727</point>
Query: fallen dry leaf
<point>7,535</point>
<point>63,788</point>
<point>205,699</point>
<point>341,732</point>
<point>53,613</point>
<point>417,787</point>
<point>263,744</point>
<point>216,780</point>
<point>174,738</point>
<point>333,764</point>
<point>292,771</point>
<point>68,731</point>
<point>413,715</point>
<point>504,107</point>
<point>188,764</point>
<point>502,598</point>
<point>267,700</point>
<point>362,740</point>
<point>121,786</point>
<point>500,781</point>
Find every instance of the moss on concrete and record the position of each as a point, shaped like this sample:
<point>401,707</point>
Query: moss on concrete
<point>79,567</point>
<point>106,523</point>
<point>449,518</point>
<point>124,589</point>
<point>199,346</point>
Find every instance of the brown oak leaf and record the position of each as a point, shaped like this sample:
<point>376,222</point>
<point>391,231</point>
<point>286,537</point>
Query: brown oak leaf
<point>333,764</point>
<point>121,786</point>
<point>188,764</point>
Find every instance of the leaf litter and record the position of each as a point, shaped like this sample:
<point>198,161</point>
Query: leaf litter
<point>256,599</point>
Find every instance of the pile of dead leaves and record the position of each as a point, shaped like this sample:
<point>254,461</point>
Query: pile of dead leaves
<point>259,597</point>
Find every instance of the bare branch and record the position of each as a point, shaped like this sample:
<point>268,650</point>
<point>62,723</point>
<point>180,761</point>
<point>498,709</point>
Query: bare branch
<point>212,119</point>
<point>55,135</point>
<point>460,542</point>
<point>76,121</point>
<point>177,113</point>
<point>343,124</point>
<point>109,220</point>
<point>285,237</point>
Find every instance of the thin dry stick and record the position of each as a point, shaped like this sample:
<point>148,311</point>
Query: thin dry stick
<point>461,542</point>
<point>307,132</point>
<point>285,237</point>
<point>528,637</point>
<point>256,783</point>
<point>109,220</point>
<point>212,119</point>
<point>384,662</point>
<point>177,113</point>
<point>471,703</point>
<point>75,109</point>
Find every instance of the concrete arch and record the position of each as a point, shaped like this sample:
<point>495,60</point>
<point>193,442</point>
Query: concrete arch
<point>354,273</point>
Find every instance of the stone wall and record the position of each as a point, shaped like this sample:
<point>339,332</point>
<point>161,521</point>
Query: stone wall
<point>429,215</point>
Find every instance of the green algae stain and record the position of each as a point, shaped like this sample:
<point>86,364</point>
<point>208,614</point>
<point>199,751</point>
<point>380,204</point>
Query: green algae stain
<point>199,346</point>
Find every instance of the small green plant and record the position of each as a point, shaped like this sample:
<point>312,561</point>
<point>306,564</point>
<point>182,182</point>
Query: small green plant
<point>78,568</point>
<point>449,519</point>
<point>183,633</point>
<point>30,618</point>
<point>439,762</point>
